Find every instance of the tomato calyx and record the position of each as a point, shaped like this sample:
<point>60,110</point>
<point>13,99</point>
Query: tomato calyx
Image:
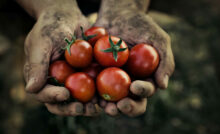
<point>106,97</point>
<point>115,48</point>
<point>69,43</point>
<point>86,38</point>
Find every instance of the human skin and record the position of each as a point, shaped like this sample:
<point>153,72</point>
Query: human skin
<point>57,19</point>
<point>129,21</point>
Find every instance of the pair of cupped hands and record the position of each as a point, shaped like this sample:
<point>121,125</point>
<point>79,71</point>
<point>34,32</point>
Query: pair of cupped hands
<point>43,46</point>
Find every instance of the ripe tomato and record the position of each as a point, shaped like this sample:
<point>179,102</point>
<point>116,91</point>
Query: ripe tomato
<point>111,51</point>
<point>113,84</point>
<point>97,32</point>
<point>78,53</point>
<point>143,60</point>
<point>81,86</point>
<point>93,70</point>
<point>60,70</point>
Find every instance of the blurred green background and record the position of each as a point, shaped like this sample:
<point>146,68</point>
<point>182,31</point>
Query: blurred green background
<point>190,105</point>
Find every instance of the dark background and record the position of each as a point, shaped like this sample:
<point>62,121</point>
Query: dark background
<point>189,105</point>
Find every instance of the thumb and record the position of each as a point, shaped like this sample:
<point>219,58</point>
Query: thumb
<point>166,66</point>
<point>36,65</point>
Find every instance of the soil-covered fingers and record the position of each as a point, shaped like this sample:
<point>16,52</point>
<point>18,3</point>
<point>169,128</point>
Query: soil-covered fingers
<point>92,109</point>
<point>131,107</point>
<point>142,88</point>
<point>71,109</point>
<point>52,94</point>
<point>111,109</point>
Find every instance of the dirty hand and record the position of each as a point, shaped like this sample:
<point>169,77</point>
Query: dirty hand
<point>134,26</point>
<point>42,46</point>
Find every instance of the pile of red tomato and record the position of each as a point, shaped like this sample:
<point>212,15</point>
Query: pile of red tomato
<point>97,62</point>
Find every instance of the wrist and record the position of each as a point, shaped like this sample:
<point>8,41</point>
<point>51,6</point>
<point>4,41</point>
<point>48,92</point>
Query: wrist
<point>116,6</point>
<point>64,6</point>
<point>37,7</point>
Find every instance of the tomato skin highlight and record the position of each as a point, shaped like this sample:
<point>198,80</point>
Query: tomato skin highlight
<point>60,70</point>
<point>81,86</point>
<point>106,59</point>
<point>143,60</point>
<point>113,84</point>
<point>93,70</point>
<point>98,31</point>
<point>81,54</point>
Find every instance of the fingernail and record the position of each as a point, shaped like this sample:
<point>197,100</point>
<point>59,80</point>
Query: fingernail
<point>165,81</point>
<point>30,84</point>
<point>79,108</point>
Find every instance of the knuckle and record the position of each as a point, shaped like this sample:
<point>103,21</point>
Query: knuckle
<point>126,107</point>
<point>53,97</point>
<point>61,95</point>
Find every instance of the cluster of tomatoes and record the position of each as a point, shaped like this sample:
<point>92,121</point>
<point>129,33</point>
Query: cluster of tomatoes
<point>98,62</point>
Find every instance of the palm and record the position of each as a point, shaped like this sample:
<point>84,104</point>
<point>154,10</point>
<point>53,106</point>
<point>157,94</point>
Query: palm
<point>44,44</point>
<point>135,28</point>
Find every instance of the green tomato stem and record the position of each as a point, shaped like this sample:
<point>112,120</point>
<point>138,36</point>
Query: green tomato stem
<point>115,48</point>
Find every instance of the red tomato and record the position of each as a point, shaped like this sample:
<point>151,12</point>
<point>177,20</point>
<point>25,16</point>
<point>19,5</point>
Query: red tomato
<point>113,84</point>
<point>93,70</point>
<point>60,70</point>
<point>98,31</point>
<point>80,54</point>
<point>107,59</point>
<point>81,86</point>
<point>143,60</point>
